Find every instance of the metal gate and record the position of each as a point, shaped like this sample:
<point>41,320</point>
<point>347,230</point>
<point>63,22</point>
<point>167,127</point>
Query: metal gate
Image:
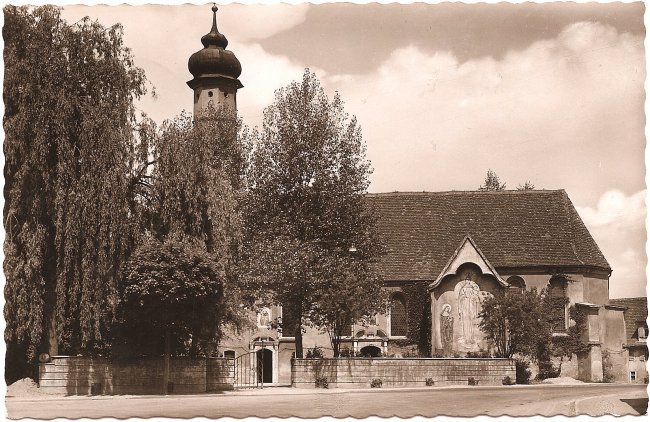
<point>249,370</point>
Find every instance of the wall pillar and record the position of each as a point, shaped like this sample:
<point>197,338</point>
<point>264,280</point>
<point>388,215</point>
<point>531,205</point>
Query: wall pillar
<point>436,343</point>
<point>590,364</point>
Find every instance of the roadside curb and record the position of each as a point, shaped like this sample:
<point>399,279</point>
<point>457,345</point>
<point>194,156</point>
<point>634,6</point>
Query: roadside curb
<point>289,391</point>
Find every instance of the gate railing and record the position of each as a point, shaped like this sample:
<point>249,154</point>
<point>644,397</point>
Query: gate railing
<point>249,371</point>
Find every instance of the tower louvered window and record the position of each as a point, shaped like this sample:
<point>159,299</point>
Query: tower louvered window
<point>398,316</point>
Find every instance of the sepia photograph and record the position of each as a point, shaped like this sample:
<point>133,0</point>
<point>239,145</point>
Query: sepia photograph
<point>349,210</point>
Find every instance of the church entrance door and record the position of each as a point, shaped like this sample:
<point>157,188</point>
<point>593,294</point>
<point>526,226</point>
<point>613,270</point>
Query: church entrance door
<point>265,365</point>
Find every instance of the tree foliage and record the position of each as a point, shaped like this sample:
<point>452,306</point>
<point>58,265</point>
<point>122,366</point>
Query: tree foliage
<point>526,186</point>
<point>515,323</point>
<point>175,287</point>
<point>418,303</point>
<point>304,206</point>
<point>492,183</point>
<point>526,324</point>
<point>197,181</point>
<point>71,151</point>
<point>345,294</point>
<point>193,204</point>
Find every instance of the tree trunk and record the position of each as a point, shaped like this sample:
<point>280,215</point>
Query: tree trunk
<point>166,362</point>
<point>335,339</point>
<point>53,341</point>
<point>298,341</point>
<point>337,346</point>
<point>298,333</point>
<point>49,340</point>
<point>194,347</point>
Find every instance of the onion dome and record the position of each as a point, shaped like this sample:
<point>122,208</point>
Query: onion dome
<point>214,59</point>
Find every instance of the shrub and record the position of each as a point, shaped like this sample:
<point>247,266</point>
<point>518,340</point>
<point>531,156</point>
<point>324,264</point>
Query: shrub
<point>480,354</point>
<point>348,353</point>
<point>522,372</point>
<point>411,354</point>
<point>375,383</point>
<point>547,370</point>
<point>429,382</point>
<point>315,353</point>
<point>507,380</point>
<point>321,382</point>
<point>472,381</point>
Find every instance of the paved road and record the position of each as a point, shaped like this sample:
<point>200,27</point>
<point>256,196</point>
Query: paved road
<point>467,401</point>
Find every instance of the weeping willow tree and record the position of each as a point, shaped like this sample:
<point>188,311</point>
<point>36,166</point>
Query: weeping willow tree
<point>74,165</point>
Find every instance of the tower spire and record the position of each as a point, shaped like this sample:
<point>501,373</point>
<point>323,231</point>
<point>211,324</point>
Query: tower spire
<point>215,70</point>
<point>214,38</point>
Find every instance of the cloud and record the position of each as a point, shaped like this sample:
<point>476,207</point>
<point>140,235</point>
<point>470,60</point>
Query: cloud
<point>617,210</point>
<point>555,113</point>
<point>628,276</point>
<point>255,22</point>
<point>617,224</point>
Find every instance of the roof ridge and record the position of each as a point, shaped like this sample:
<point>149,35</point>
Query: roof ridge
<point>455,192</point>
<point>566,201</point>
<point>626,299</point>
<point>576,223</point>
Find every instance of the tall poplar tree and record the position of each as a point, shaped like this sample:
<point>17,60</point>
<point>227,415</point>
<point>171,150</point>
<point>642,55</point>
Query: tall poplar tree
<point>72,161</point>
<point>305,216</point>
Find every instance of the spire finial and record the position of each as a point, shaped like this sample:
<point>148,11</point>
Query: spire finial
<point>214,15</point>
<point>214,38</point>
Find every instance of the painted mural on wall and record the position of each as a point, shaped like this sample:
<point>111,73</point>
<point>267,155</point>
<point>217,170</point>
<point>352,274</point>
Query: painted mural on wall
<point>469,306</point>
<point>447,329</point>
<point>459,306</point>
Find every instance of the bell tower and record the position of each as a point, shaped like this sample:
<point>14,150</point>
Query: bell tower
<point>215,72</point>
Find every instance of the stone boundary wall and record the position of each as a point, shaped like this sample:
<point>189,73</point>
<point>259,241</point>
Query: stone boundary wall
<point>400,372</point>
<point>87,375</point>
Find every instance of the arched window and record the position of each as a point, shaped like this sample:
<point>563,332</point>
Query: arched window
<point>557,295</point>
<point>398,316</point>
<point>517,284</point>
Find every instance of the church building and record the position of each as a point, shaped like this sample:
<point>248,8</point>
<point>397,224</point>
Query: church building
<point>445,252</point>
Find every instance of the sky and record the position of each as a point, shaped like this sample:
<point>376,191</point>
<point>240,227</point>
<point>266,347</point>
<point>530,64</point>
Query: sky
<point>549,93</point>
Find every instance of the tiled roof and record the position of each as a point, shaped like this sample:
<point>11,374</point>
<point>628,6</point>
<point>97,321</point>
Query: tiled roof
<point>637,310</point>
<point>534,228</point>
